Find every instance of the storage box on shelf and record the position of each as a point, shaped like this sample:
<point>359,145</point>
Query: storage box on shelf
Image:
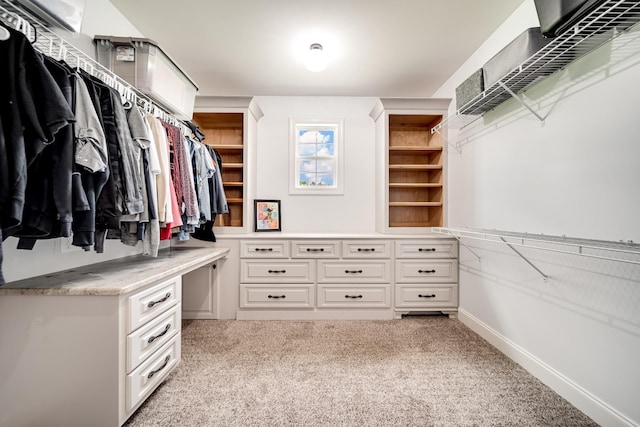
<point>144,65</point>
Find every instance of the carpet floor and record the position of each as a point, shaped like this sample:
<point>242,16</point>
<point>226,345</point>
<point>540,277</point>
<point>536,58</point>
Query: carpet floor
<point>418,371</point>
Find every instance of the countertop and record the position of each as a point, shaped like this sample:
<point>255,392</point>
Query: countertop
<point>116,277</point>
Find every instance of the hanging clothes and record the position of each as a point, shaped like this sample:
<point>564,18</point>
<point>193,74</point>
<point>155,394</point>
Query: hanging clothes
<point>32,110</point>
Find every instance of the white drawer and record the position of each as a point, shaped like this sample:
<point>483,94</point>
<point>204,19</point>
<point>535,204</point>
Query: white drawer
<point>426,271</point>
<point>146,377</point>
<point>366,249</point>
<point>361,271</point>
<point>144,305</point>
<point>315,249</point>
<point>265,249</point>
<point>429,296</point>
<point>350,296</point>
<point>277,271</point>
<point>270,296</point>
<point>433,248</point>
<point>147,339</point>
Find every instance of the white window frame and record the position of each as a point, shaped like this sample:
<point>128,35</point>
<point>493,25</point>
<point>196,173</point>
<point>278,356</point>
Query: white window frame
<point>295,157</point>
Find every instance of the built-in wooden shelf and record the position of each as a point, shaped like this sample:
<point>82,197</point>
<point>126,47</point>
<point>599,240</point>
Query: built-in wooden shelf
<point>225,133</point>
<point>415,171</point>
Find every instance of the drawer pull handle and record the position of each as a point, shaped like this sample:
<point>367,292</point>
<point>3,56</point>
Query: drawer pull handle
<point>164,365</point>
<point>353,271</point>
<point>277,296</point>
<point>155,337</point>
<point>353,296</point>
<point>426,296</point>
<point>366,249</point>
<point>163,299</point>
<point>264,249</point>
<point>426,249</point>
<point>277,271</point>
<point>426,271</point>
<point>315,249</point>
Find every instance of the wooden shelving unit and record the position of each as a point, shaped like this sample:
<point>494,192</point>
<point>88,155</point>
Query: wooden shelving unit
<point>415,168</point>
<point>225,133</point>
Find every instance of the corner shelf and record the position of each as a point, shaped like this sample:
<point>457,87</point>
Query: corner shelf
<point>600,26</point>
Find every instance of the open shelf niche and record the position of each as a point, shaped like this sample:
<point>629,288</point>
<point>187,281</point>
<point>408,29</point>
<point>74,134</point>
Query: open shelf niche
<point>411,171</point>
<point>230,125</point>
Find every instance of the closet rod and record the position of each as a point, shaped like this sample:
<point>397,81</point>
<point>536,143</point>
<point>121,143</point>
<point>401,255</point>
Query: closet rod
<point>561,244</point>
<point>49,43</point>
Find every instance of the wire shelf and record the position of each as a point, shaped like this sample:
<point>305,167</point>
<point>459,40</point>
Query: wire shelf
<point>620,251</point>
<point>604,23</point>
<point>51,44</point>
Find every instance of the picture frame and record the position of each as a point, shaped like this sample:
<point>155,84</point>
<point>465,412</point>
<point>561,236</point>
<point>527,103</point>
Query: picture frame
<point>267,215</point>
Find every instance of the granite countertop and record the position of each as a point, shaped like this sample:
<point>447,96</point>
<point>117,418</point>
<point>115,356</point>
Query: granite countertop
<point>116,277</point>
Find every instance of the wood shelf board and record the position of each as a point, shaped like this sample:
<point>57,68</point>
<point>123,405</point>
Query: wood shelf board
<point>232,184</point>
<point>414,148</point>
<point>219,120</point>
<point>414,185</point>
<point>415,167</point>
<point>234,200</point>
<point>399,121</point>
<point>227,146</point>
<point>415,204</point>
<point>232,165</point>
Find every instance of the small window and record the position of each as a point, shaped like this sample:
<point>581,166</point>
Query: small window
<point>316,157</point>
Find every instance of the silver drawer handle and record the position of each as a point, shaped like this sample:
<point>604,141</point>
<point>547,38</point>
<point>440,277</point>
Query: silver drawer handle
<point>315,249</point>
<point>264,249</point>
<point>353,271</point>
<point>277,271</point>
<point>163,299</point>
<point>426,249</point>
<point>366,249</point>
<point>426,271</point>
<point>277,296</point>
<point>164,365</point>
<point>426,296</point>
<point>353,296</point>
<point>155,337</point>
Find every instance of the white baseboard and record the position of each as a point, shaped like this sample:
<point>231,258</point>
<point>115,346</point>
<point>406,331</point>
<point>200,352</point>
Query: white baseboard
<point>593,407</point>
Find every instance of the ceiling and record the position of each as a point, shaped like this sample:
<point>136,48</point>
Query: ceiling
<point>386,48</point>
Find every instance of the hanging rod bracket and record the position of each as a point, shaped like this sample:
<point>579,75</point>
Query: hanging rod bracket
<point>459,239</point>
<point>437,130</point>
<point>522,101</point>
<point>544,276</point>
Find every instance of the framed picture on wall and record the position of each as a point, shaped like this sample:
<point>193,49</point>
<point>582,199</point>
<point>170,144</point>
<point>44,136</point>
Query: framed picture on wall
<point>267,215</point>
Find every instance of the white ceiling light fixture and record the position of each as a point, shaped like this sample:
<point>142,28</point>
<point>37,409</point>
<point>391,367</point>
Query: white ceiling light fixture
<point>316,59</point>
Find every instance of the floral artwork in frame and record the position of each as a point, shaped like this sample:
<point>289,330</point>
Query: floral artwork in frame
<point>267,215</point>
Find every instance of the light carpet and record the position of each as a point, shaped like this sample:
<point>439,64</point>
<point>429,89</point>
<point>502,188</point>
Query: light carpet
<point>418,371</point>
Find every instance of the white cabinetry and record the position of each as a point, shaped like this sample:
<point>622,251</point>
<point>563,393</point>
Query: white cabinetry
<point>87,346</point>
<point>426,275</point>
<point>346,278</point>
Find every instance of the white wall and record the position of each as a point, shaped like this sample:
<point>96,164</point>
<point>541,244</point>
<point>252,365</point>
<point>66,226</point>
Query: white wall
<point>100,17</point>
<point>576,175</point>
<point>352,212</point>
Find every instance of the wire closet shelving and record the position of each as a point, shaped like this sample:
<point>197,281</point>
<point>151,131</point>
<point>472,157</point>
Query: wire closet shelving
<point>604,23</point>
<point>53,45</point>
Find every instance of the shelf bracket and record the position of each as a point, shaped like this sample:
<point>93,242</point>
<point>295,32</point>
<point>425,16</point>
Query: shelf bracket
<point>522,102</point>
<point>544,276</point>
<point>437,130</point>
<point>459,239</point>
